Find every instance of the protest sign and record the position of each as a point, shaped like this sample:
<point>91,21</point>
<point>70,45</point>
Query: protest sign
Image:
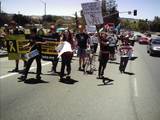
<point>93,13</point>
<point>31,54</point>
<point>17,50</point>
<point>20,46</point>
<point>91,29</point>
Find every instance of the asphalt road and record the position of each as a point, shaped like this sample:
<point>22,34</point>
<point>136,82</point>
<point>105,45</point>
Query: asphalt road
<point>132,96</point>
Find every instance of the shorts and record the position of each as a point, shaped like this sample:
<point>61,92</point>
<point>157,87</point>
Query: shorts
<point>81,52</point>
<point>94,48</point>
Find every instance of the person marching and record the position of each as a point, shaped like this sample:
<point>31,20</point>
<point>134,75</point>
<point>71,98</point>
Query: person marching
<point>54,35</point>
<point>125,54</point>
<point>94,45</point>
<point>65,50</point>
<point>103,55</point>
<point>34,45</point>
<point>112,44</point>
<point>82,43</point>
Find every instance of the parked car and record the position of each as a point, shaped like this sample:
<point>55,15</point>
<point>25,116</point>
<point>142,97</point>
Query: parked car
<point>153,48</point>
<point>137,37</point>
<point>144,40</point>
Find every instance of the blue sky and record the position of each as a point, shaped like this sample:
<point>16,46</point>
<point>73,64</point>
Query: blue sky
<point>147,9</point>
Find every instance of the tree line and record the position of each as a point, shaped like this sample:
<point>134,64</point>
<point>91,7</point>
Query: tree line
<point>142,25</point>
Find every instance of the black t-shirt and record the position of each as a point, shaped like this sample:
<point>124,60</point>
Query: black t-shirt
<point>33,40</point>
<point>54,37</point>
<point>82,39</point>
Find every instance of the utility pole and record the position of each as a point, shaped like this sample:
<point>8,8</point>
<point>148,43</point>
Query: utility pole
<point>45,6</point>
<point>0,8</point>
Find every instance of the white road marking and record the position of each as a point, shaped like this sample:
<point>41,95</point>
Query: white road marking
<point>3,59</point>
<point>135,88</point>
<point>12,74</point>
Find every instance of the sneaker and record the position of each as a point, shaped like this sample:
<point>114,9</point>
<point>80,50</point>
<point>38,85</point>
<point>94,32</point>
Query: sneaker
<point>61,77</point>
<point>38,77</point>
<point>68,77</point>
<point>15,70</point>
<point>80,69</point>
<point>23,78</point>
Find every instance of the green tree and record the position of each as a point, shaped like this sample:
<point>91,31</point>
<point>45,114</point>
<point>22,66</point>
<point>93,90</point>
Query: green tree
<point>110,12</point>
<point>20,19</point>
<point>59,22</point>
<point>4,19</point>
<point>142,25</point>
<point>155,25</point>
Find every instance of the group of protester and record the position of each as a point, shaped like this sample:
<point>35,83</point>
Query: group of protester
<point>85,44</point>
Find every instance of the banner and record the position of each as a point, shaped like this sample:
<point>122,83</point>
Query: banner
<point>20,46</point>
<point>93,13</point>
<point>16,49</point>
<point>49,50</point>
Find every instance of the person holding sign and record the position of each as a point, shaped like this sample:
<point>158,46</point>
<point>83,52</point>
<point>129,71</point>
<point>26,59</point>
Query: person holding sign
<point>35,54</point>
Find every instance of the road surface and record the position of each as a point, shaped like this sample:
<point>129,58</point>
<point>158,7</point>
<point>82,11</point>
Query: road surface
<point>131,96</point>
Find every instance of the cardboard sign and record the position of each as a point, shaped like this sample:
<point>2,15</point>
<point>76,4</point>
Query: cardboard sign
<point>91,29</point>
<point>31,54</point>
<point>93,13</point>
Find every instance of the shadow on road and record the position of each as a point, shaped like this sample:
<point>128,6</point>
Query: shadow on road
<point>106,81</point>
<point>156,56</point>
<point>34,81</point>
<point>133,58</point>
<point>52,73</point>
<point>129,73</point>
<point>113,62</point>
<point>68,81</point>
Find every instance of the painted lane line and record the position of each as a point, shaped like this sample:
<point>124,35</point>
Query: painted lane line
<point>12,74</point>
<point>135,88</point>
<point>8,75</point>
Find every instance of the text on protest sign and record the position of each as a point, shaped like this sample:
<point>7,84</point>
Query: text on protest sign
<point>92,13</point>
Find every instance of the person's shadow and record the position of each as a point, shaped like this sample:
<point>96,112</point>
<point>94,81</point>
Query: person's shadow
<point>133,58</point>
<point>68,81</point>
<point>106,81</point>
<point>33,81</point>
<point>129,73</point>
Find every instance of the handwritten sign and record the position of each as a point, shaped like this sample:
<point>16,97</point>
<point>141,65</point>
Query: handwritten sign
<point>93,13</point>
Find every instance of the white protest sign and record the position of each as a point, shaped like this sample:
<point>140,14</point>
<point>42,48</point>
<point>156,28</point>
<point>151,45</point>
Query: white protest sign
<point>91,29</point>
<point>93,13</point>
<point>31,54</point>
